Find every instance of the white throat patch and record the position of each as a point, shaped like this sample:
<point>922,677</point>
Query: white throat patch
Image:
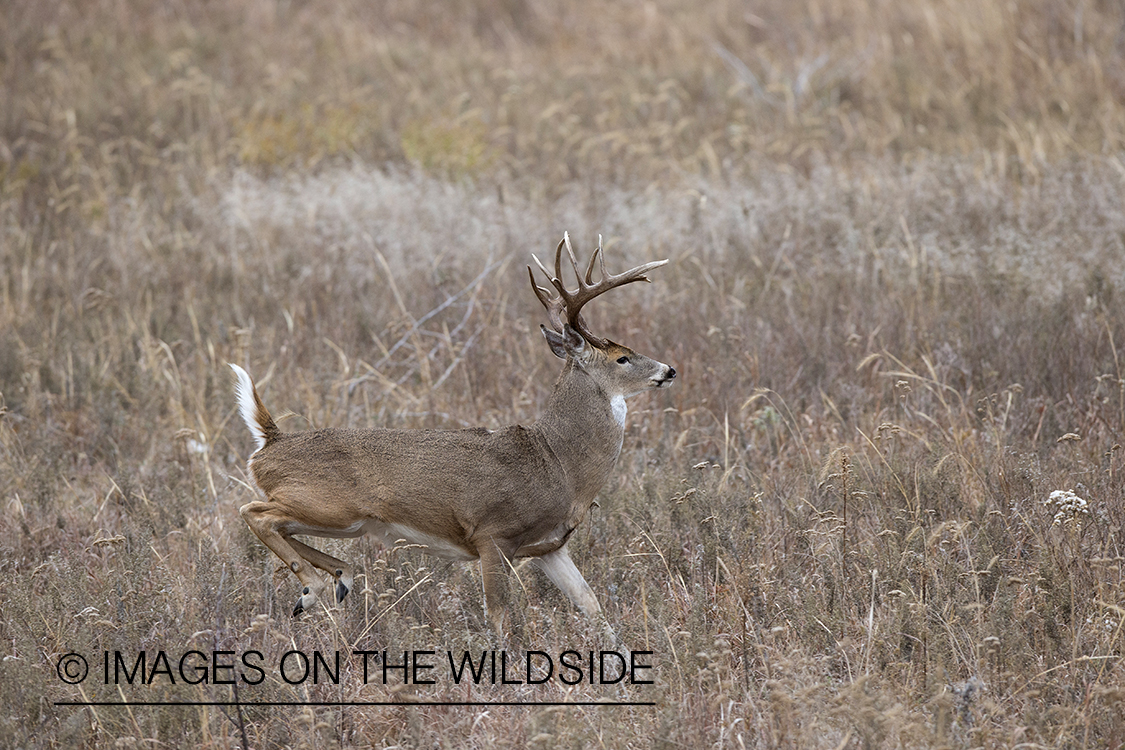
<point>617,404</point>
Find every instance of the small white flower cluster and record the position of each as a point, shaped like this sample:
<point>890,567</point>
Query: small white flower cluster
<point>1106,622</point>
<point>1068,507</point>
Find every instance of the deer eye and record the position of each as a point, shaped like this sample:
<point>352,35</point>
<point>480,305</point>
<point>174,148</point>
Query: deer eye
<point>622,360</point>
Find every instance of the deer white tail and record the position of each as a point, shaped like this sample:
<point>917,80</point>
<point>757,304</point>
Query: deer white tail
<point>253,411</point>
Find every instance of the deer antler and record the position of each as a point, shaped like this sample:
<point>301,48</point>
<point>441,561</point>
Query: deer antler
<point>566,308</point>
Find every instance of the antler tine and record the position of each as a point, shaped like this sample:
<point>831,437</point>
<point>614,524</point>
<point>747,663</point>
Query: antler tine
<point>573,260</point>
<point>637,274</point>
<point>540,292</point>
<point>546,273</point>
<point>556,278</point>
<point>590,267</point>
<point>555,306</point>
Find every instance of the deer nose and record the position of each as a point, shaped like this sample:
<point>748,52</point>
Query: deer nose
<point>671,372</point>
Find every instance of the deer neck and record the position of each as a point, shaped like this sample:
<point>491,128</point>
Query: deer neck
<point>584,428</point>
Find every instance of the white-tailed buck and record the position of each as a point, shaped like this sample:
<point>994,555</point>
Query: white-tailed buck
<point>471,494</point>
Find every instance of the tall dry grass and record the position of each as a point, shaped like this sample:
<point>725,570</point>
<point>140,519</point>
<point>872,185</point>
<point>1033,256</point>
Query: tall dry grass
<point>896,234</point>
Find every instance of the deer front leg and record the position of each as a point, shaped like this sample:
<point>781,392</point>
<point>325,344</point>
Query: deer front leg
<point>561,570</point>
<point>493,570</point>
<point>263,518</point>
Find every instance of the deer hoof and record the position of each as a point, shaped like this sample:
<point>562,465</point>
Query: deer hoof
<point>304,602</point>
<point>341,591</point>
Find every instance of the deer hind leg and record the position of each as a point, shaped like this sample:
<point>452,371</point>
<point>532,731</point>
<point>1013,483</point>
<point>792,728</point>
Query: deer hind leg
<point>264,518</point>
<point>334,567</point>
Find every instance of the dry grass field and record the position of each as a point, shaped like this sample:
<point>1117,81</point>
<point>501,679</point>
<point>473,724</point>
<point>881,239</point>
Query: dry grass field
<point>882,506</point>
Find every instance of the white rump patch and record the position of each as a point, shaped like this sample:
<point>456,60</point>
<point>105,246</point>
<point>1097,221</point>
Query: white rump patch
<point>244,392</point>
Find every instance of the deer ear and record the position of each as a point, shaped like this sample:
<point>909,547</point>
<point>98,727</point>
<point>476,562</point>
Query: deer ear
<point>555,341</point>
<point>569,343</point>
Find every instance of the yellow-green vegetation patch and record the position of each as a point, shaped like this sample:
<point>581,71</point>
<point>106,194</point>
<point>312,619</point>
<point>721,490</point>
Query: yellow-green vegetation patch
<point>452,149</point>
<point>305,135</point>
